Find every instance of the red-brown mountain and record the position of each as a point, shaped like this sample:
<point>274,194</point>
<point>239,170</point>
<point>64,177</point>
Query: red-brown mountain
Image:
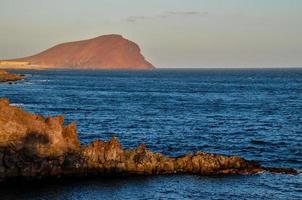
<point>103,52</point>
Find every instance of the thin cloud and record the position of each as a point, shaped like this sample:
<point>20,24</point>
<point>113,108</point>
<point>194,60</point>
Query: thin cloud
<point>167,14</point>
<point>187,13</point>
<point>134,19</point>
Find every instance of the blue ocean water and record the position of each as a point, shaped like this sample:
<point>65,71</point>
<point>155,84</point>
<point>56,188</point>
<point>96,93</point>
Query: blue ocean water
<point>253,113</point>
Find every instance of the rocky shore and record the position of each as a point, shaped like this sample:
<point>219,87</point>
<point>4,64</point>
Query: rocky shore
<point>8,77</point>
<point>35,147</point>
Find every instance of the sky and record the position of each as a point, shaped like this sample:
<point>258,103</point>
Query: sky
<point>171,33</point>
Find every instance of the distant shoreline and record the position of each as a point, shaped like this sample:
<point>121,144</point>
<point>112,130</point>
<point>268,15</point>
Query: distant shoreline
<point>155,69</point>
<point>34,67</point>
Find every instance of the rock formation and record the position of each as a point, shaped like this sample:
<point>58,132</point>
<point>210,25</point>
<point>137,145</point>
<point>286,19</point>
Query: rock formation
<point>34,147</point>
<point>8,77</point>
<point>104,52</point>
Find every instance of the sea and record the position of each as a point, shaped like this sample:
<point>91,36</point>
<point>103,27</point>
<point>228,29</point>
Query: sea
<point>252,113</point>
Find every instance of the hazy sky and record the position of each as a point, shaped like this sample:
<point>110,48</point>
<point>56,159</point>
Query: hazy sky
<point>171,33</point>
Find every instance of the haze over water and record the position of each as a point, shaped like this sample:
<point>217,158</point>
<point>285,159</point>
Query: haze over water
<point>255,114</point>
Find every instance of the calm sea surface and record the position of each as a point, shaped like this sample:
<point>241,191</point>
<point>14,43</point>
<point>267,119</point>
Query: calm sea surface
<point>256,114</point>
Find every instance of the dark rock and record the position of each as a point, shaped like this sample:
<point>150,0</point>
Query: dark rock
<point>33,147</point>
<point>8,77</point>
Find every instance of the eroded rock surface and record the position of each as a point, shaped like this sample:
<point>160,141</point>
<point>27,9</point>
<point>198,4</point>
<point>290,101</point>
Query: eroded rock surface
<point>8,77</point>
<point>32,147</point>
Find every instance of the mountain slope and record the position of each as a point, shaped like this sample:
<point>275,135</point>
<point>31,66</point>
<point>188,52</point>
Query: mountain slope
<point>103,52</point>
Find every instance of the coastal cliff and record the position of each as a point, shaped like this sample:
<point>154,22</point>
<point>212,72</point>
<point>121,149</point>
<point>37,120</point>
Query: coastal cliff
<point>103,52</point>
<point>34,147</point>
<point>9,77</point>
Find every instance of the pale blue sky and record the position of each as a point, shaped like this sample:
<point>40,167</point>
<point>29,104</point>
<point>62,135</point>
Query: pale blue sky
<point>171,33</point>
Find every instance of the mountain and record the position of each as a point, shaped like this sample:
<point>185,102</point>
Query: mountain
<point>103,52</point>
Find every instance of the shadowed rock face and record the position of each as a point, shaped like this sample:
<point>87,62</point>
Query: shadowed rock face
<point>8,77</point>
<point>104,52</point>
<point>33,147</point>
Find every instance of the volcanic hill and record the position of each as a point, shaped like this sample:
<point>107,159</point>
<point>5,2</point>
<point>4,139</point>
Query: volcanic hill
<point>103,52</point>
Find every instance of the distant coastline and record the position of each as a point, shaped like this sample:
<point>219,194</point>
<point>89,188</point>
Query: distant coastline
<point>19,65</point>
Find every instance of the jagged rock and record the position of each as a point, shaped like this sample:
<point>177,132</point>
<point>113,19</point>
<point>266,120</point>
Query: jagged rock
<point>8,77</point>
<point>32,147</point>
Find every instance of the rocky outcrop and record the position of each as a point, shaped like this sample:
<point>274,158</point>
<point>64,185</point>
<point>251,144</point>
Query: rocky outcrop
<point>103,52</point>
<point>33,147</point>
<point>8,77</point>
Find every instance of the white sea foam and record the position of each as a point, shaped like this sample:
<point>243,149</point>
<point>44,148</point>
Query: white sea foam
<point>17,104</point>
